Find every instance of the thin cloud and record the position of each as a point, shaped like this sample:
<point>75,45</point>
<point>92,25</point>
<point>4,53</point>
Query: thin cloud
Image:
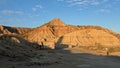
<point>37,7</point>
<point>104,11</point>
<point>33,15</point>
<point>82,2</point>
<point>11,12</point>
<point>87,2</point>
<point>103,6</point>
<point>11,21</point>
<point>95,3</point>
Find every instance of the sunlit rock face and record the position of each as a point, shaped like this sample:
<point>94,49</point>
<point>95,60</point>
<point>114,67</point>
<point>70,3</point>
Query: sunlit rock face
<point>13,30</point>
<point>56,31</point>
<point>49,32</point>
<point>90,37</point>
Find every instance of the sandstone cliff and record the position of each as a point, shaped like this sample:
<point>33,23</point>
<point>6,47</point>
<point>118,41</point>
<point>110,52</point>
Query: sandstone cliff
<point>57,32</point>
<point>60,33</point>
<point>90,37</point>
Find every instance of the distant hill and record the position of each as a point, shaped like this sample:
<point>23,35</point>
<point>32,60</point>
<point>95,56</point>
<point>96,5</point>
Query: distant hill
<point>12,30</point>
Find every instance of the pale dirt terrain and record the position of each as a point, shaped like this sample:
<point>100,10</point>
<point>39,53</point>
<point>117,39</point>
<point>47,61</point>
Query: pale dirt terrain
<point>63,58</point>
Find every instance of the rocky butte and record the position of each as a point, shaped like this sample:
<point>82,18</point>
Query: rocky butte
<point>80,46</point>
<point>58,33</point>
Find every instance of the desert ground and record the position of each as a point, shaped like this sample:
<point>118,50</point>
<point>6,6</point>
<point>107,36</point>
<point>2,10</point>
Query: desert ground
<point>63,58</point>
<point>75,46</point>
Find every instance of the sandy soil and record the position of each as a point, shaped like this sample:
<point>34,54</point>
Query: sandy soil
<point>63,58</point>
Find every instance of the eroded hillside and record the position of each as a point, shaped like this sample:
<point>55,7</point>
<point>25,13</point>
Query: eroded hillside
<point>13,30</point>
<point>21,47</point>
<point>58,32</point>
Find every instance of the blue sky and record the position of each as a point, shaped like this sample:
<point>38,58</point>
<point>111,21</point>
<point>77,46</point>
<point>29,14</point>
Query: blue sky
<point>33,13</point>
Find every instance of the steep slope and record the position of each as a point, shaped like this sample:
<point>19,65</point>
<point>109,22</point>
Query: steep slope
<point>100,28</point>
<point>59,28</point>
<point>90,37</point>
<point>50,31</point>
<point>39,34</point>
<point>58,32</point>
<point>13,30</point>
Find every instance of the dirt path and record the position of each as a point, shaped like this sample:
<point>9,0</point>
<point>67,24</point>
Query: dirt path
<point>67,58</point>
<point>81,58</point>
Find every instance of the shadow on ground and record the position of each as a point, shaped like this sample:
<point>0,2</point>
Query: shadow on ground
<point>47,58</point>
